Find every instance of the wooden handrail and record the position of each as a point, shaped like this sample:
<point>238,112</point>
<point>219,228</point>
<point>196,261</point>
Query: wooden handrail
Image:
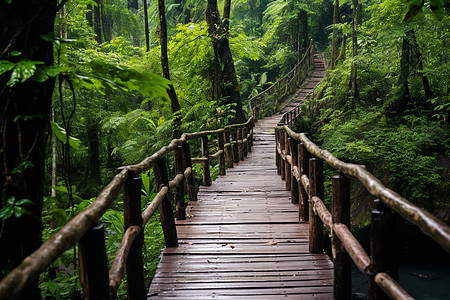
<point>370,266</point>
<point>299,71</point>
<point>68,236</point>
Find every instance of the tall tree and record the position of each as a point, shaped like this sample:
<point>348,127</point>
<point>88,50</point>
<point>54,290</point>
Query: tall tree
<point>353,72</point>
<point>24,122</point>
<point>165,66</point>
<point>218,29</point>
<point>334,40</point>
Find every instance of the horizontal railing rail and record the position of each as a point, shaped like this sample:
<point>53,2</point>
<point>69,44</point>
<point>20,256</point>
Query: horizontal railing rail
<point>233,144</point>
<point>268,101</point>
<point>299,162</point>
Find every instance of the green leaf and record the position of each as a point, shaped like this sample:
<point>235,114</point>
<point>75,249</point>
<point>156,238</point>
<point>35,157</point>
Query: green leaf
<point>62,135</point>
<point>6,212</point>
<point>24,202</point>
<point>437,8</point>
<point>6,66</point>
<point>19,211</point>
<point>15,53</point>
<point>11,200</point>
<point>23,70</point>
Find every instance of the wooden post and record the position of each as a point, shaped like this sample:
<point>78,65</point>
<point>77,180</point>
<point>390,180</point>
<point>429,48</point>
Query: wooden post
<point>277,155</point>
<point>229,149</point>
<point>235,138</point>
<point>93,263</point>
<point>132,216</point>
<point>294,181</point>
<point>303,164</point>
<point>383,252</point>
<point>220,143</point>
<point>241,143</point>
<point>244,137</point>
<point>180,205</point>
<point>192,189</point>
<point>287,167</point>
<point>282,148</point>
<point>205,164</point>
<point>250,136</point>
<point>165,209</point>
<point>340,213</point>
<point>316,189</point>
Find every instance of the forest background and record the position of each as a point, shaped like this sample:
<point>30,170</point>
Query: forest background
<point>384,102</point>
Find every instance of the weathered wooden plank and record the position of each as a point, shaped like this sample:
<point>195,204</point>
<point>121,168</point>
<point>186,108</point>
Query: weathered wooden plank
<point>242,238</point>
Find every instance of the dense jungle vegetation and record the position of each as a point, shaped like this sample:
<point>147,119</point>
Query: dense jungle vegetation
<point>84,89</point>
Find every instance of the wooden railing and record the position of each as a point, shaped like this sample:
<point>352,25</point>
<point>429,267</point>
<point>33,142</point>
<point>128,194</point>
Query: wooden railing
<point>267,102</point>
<point>233,144</point>
<point>299,162</point>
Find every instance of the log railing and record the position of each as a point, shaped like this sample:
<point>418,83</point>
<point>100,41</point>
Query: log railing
<point>233,144</point>
<point>268,101</point>
<point>299,162</point>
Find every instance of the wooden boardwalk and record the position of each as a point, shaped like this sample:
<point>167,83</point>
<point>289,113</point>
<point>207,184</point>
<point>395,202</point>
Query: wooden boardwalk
<point>243,239</point>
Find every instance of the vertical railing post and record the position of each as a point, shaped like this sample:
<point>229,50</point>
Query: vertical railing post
<point>229,149</point>
<point>244,137</point>
<point>165,208</point>
<point>93,263</point>
<point>282,148</point>
<point>383,252</point>
<point>315,189</point>
<point>235,138</point>
<point>303,162</point>
<point>180,205</point>
<point>294,181</point>
<point>277,155</point>
<point>205,164</point>
<point>132,217</point>
<point>287,167</point>
<point>340,213</point>
<point>220,143</point>
<point>192,189</point>
<point>240,143</point>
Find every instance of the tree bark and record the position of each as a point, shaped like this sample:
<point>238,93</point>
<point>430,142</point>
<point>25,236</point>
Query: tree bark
<point>165,67</point>
<point>23,140</point>
<point>334,40</point>
<point>147,34</point>
<point>305,30</point>
<point>353,72</point>
<point>218,32</point>
<point>98,22</point>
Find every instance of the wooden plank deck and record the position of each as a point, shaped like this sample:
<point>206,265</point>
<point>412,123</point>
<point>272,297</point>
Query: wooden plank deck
<point>243,239</point>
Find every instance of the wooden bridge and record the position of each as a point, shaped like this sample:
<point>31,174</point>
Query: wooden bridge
<point>251,234</point>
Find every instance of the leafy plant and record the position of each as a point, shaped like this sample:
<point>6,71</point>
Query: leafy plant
<point>16,208</point>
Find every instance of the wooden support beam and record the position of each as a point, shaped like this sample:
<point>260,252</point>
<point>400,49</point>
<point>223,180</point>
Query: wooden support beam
<point>205,164</point>
<point>220,144</point>
<point>340,211</point>
<point>287,167</point>
<point>383,249</point>
<point>179,167</point>
<point>93,263</point>
<point>294,181</point>
<point>132,216</point>
<point>229,149</point>
<point>165,209</point>
<point>316,189</point>
<point>192,189</point>
<point>303,207</point>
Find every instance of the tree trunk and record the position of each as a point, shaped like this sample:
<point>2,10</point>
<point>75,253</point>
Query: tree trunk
<point>229,86</point>
<point>353,72</point>
<point>165,66</point>
<point>89,14</point>
<point>305,30</point>
<point>97,22</point>
<point>106,22</point>
<point>92,128</point>
<point>335,40</point>
<point>426,84</point>
<point>23,140</point>
<point>133,4</point>
<point>341,56</point>
<point>147,34</point>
